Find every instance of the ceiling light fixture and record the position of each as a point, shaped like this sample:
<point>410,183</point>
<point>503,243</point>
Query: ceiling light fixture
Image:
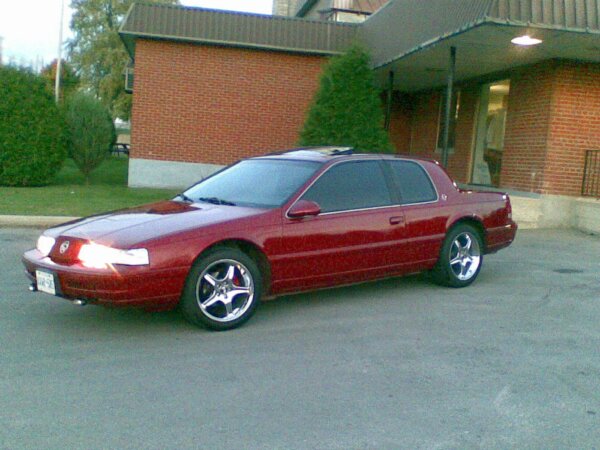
<point>526,41</point>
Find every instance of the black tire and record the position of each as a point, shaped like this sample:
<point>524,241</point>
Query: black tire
<point>213,295</point>
<point>461,257</point>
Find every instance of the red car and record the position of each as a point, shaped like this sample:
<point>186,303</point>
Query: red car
<point>289,222</point>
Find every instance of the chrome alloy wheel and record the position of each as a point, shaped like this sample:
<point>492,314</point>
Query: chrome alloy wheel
<point>465,256</point>
<point>225,290</point>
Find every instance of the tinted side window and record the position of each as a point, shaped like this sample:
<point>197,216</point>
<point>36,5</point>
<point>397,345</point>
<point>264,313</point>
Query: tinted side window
<point>415,185</point>
<point>350,185</point>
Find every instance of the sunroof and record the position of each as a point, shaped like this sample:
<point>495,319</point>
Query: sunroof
<point>325,151</point>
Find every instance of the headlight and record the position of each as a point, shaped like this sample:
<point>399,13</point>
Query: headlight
<point>98,256</point>
<point>45,244</point>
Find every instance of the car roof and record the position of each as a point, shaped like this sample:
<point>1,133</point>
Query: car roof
<point>325,154</point>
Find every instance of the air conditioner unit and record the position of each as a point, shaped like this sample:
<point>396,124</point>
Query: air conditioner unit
<point>129,80</point>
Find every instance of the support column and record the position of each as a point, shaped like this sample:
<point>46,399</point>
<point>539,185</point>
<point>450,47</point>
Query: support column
<point>448,107</point>
<point>388,106</point>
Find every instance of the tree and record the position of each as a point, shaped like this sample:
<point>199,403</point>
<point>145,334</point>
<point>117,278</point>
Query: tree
<point>347,108</point>
<point>97,52</point>
<point>91,132</point>
<point>69,81</point>
<point>32,130</point>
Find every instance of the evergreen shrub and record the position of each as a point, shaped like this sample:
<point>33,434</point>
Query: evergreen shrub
<point>32,130</point>
<point>91,132</point>
<point>347,109</point>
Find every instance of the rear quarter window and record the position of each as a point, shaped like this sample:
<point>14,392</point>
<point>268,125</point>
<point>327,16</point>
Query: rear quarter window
<point>413,182</point>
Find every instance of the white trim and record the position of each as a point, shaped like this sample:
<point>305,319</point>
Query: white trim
<point>167,174</point>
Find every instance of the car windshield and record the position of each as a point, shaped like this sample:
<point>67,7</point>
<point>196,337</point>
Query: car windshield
<point>258,183</point>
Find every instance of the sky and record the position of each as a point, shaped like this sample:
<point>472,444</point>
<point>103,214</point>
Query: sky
<point>29,28</point>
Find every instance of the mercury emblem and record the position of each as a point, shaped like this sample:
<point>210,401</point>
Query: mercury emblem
<point>64,247</point>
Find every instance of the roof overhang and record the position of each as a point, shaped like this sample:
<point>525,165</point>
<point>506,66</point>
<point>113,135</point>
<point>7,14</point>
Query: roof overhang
<point>414,37</point>
<point>234,29</point>
<point>483,49</point>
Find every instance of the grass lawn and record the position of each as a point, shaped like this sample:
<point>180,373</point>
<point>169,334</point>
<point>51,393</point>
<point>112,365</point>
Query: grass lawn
<point>69,196</point>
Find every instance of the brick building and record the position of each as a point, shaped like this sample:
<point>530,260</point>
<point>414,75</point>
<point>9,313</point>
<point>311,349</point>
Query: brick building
<point>212,87</point>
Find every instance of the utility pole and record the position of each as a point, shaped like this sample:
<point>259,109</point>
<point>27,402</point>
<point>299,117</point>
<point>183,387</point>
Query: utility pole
<point>1,50</point>
<point>60,45</point>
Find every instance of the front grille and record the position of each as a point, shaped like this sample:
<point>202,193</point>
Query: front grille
<point>71,248</point>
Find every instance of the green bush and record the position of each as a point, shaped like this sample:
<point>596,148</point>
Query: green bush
<point>91,132</point>
<point>32,130</point>
<point>347,108</point>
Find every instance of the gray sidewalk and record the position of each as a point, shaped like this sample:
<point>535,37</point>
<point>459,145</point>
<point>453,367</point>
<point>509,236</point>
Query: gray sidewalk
<point>8,221</point>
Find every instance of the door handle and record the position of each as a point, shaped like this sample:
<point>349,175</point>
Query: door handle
<point>396,220</point>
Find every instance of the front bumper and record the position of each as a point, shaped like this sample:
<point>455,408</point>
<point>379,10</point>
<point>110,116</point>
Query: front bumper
<point>137,286</point>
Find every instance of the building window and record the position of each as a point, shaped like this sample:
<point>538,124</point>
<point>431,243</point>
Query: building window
<point>489,140</point>
<point>454,111</point>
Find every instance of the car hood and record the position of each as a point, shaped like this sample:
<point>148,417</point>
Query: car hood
<point>125,228</point>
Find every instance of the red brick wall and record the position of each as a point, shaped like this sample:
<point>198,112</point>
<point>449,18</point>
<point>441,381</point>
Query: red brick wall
<point>400,123</point>
<point>574,126</point>
<point>553,118</point>
<point>215,105</point>
<point>426,110</point>
<point>527,126</point>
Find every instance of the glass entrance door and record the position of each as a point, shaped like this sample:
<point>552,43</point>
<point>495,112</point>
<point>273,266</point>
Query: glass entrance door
<point>489,140</point>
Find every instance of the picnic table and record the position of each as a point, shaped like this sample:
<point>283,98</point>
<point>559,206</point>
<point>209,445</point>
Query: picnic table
<point>120,149</point>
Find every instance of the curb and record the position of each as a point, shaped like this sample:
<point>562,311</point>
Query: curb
<point>33,221</point>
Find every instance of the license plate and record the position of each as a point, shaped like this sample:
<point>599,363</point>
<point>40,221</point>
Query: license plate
<point>45,282</point>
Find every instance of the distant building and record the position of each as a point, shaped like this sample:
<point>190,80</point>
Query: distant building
<point>334,10</point>
<point>285,7</point>
<point>212,87</point>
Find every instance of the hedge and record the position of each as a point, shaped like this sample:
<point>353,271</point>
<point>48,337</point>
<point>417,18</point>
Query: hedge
<point>32,130</point>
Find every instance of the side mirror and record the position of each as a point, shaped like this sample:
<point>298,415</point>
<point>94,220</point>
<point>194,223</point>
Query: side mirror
<point>304,208</point>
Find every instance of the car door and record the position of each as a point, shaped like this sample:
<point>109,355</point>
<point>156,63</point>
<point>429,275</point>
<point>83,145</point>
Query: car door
<point>354,236</point>
<point>424,214</point>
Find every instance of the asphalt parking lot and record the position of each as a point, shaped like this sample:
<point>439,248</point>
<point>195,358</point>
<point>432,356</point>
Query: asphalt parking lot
<point>510,362</point>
